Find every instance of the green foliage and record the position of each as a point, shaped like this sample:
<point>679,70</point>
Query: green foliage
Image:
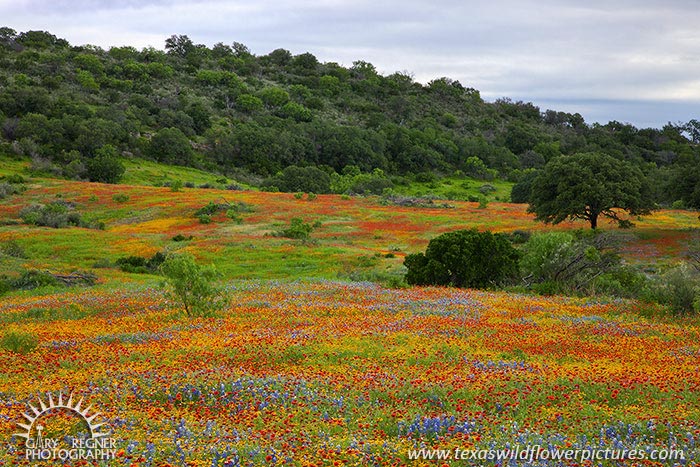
<point>465,258</point>
<point>13,249</point>
<point>297,229</point>
<point>141,265</point>
<point>520,193</point>
<point>679,288</point>
<point>176,186</point>
<point>120,197</point>
<point>171,145</point>
<point>33,279</point>
<point>301,179</point>
<point>274,96</point>
<point>586,186</point>
<point>58,214</point>
<point>9,189</point>
<point>296,112</point>
<point>105,167</point>
<point>192,286</point>
<point>19,342</point>
<point>353,181</point>
<point>561,262</point>
<point>182,238</point>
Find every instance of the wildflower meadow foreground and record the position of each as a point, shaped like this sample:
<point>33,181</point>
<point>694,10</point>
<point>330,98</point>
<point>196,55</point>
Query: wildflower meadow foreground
<point>349,373</point>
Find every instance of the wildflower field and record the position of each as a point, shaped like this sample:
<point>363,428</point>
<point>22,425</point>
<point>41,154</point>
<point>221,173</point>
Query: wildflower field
<point>311,364</point>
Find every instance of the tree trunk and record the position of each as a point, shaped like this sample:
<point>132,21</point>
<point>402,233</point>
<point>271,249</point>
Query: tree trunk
<point>594,221</point>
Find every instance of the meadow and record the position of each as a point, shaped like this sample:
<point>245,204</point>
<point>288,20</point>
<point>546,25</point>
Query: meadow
<point>313,363</point>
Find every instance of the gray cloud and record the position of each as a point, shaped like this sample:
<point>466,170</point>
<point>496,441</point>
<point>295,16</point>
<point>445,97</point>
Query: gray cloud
<point>629,60</point>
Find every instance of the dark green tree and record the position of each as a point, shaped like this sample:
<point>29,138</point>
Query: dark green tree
<point>589,185</point>
<point>465,258</point>
<point>170,145</point>
<point>105,167</point>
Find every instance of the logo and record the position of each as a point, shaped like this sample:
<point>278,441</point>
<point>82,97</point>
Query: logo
<point>49,435</point>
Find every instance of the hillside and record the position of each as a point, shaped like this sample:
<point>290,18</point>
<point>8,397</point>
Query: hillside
<point>223,109</point>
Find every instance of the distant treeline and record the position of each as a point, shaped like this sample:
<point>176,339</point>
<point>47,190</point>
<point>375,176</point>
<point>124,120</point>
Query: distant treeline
<point>224,108</point>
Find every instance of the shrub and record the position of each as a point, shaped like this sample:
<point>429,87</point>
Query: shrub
<point>58,214</point>
<point>486,189</point>
<point>298,229</point>
<point>16,179</point>
<point>192,285</point>
<point>425,177</point>
<point>520,236</point>
<point>13,249</point>
<point>120,198</point>
<point>106,166</point>
<point>571,263</point>
<point>8,189</point>
<point>139,264</point>
<point>679,288</point>
<point>19,342</point>
<point>210,209</point>
<point>182,238</point>
<point>465,258</point>
<point>176,186</point>
<point>33,279</point>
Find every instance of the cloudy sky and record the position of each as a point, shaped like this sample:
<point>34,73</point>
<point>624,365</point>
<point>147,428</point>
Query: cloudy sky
<point>636,61</point>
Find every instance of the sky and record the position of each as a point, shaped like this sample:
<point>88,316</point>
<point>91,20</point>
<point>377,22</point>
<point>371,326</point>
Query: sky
<point>634,61</point>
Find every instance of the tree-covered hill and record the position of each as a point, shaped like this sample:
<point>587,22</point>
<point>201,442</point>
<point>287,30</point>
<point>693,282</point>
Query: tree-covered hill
<point>74,109</point>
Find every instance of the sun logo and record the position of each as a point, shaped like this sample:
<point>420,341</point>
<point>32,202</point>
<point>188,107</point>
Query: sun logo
<point>64,405</point>
<point>41,447</point>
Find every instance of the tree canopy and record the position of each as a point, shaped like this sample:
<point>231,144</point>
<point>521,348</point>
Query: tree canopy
<point>587,186</point>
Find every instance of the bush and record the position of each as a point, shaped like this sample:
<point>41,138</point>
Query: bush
<point>192,285</point>
<point>181,238</point>
<point>425,177</point>
<point>33,279</point>
<point>465,258</point>
<point>486,189</point>
<point>13,249</point>
<point>57,215</point>
<point>571,263</point>
<point>19,342</point>
<point>7,189</point>
<point>298,229</point>
<point>120,198</point>
<point>520,236</point>
<point>141,265</point>
<point>106,166</point>
<point>176,186</point>
<point>16,179</point>
<point>679,288</point>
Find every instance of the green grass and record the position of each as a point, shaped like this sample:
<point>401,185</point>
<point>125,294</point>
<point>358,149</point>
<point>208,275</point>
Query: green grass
<point>144,172</point>
<point>457,188</point>
<point>9,166</point>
